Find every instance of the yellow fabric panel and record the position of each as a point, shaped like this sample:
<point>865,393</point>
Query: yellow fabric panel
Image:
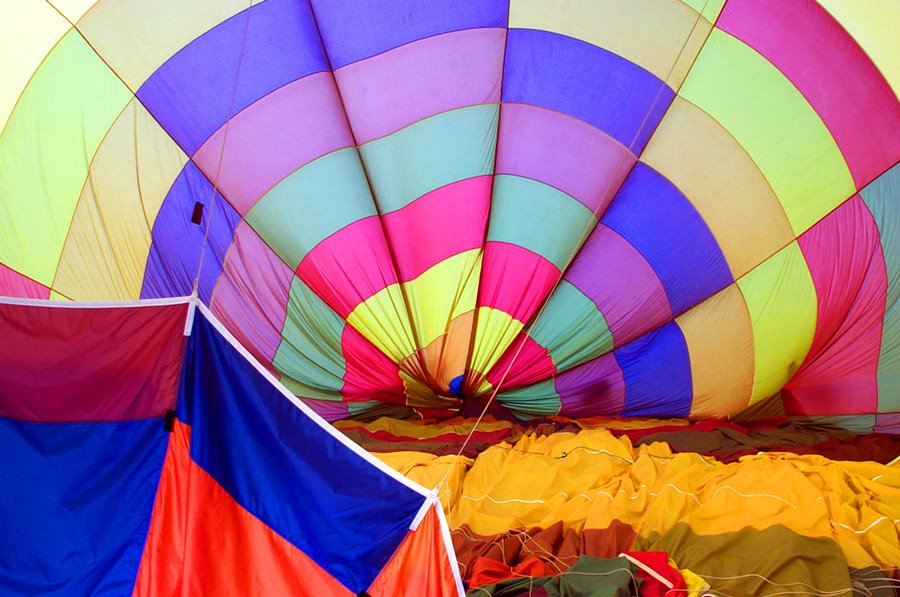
<point>723,183</point>
<point>589,479</point>
<point>775,124</point>
<point>73,9</point>
<point>494,332</point>
<point>28,30</point>
<point>416,429</point>
<point>719,339</point>
<point>649,33</point>
<point>781,299</point>
<point>381,319</point>
<point>873,24</point>
<point>442,293</point>
<point>421,395</point>
<point>45,153</point>
<point>135,36</point>
<point>710,9</point>
<point>55,296</point>
<point>106,250</point>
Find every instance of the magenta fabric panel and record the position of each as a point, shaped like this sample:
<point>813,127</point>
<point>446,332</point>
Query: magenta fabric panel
<point>349,266</point>
<point>623,285</point>
<point>831,71</point>
<point>840,373</point>
<point>420,79</point>
<point>515,280</point>
<point>56,364</point>
<point>273,137</point>
<point>438,225</point>
<point>530,363</point>
<point>563,152</point>
<point>12,283</point>
<point>251,295</point>
<point>369,374</point>
<point>592,389</point>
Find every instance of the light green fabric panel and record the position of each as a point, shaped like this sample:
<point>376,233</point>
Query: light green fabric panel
<point>883,199</point>
<point>540,398</point>
<point>46,150</point>
<point>571,328</point>
<point>538,217</point>
<point>311,204</point>
<point>309,357</point>
<point>775,124</point>
<point>431,153</point>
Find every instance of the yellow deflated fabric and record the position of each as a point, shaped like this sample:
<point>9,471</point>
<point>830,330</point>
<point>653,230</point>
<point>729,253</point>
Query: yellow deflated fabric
<point>590,479</point>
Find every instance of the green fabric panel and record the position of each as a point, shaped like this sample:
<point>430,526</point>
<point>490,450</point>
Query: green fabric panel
<point>775,124</point>
<point>540,398</point>
<point>589,577</point>
<point>310,356</point>
<point>431,153</point>
<point>708,9</point>
<point>571,328</point>
<point>358,408</point>
<point>883,199</point>
<point>538,217</point>
<point>313,203</point>
<point>45,153</point>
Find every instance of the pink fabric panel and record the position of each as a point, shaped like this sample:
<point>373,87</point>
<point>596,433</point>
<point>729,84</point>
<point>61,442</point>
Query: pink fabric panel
<point>532,363</point>
<point>831,71</point>
<point>349,266</point>
<point>563,152</point>
<point>438,225</point>
<point>369,375</point>
<point>274,136</point>
<point>515,280</point>
<point>12,283</point>
<point>840,374</point>
<point>389,91</point>
<point>251,295</point>
<point>623,285</point>
<point>592,389</point>
<point>60,364</point>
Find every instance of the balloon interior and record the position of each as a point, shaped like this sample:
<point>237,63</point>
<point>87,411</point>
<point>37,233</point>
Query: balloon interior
<point>339,297</point>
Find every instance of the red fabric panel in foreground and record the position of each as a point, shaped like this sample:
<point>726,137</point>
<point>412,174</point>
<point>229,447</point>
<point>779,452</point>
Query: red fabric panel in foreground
<point>201,542</point>
<point>88,364</point>
<point>411,570</point>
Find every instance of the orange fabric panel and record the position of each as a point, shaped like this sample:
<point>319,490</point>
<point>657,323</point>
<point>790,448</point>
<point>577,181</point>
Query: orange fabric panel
<point>201,542</point>
<point>407,573</point>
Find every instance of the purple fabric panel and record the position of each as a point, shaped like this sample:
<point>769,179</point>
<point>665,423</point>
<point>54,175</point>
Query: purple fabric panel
<point>657,370</point>
<point>252,294</point>
<point>177,242</point>
<point>592,84</point>
<point>888,423</point>
<point>563,152</point>
<point>191,93</point>
<point>356,29</point>
<point>274,136</point>
<point>327,409</point>
<point>592,389</point>
<point>617,278</point>
<point>386,92</point>
<point>655,217</point>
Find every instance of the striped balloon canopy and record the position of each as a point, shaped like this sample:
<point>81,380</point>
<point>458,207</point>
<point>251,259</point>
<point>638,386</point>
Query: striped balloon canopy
<point>580,207</point>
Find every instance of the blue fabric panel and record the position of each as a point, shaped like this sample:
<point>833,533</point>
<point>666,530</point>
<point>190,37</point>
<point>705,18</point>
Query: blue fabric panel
<point>191,93</point>
<point>357,29</point>
<point>589,83</point>
<point>286,470</point>
<point>657,371</point>
<point>653,215</point>
<point>75,504</point>
<point>177,242</point>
